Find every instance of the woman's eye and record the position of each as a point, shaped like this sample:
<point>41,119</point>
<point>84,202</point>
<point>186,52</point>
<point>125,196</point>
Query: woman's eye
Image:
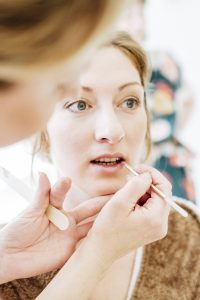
<point>77,106</point>
<point>130,103</point>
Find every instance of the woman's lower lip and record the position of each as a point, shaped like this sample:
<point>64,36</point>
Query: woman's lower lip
<point>107,168</point>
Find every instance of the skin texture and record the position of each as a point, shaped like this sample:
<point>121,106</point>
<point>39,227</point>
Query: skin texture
<point>95,119</point>
<point>27,101</point>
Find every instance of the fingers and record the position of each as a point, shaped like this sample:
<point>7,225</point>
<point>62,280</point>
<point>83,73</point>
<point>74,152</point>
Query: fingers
<point>158,179</point>
<point>58,192</point>
<point>133,190</point>
<point>155,204</point>
<point>41,198</point>
<point>83,230</point>
<point>89,208</point>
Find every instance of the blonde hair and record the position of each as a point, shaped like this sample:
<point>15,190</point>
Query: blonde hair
<point>125,43</point>
<point>38,33</point>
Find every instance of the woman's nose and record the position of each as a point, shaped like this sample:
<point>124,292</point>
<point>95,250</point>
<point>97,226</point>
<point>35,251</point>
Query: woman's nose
<point>108,128</point>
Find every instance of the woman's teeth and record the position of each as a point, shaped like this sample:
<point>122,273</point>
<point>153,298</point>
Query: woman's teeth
<point>108,161</point>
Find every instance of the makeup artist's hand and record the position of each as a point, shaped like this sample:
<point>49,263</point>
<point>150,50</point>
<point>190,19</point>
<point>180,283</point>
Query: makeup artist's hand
<point>31,245</point>
<point>123,225</point>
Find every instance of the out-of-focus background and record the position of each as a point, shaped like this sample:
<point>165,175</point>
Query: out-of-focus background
<point>172,38</point>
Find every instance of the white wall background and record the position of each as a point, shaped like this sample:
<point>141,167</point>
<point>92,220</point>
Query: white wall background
<point>172,25</point>
<point>17,160</point>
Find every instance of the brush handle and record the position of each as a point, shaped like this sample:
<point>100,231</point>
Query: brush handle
<point>57,217</point>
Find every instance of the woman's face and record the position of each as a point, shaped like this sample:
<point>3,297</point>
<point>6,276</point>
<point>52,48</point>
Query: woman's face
<point>26,102</point>
<point>100,123</point>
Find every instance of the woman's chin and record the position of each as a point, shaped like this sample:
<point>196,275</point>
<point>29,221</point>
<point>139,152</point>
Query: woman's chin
<point>104,189</point>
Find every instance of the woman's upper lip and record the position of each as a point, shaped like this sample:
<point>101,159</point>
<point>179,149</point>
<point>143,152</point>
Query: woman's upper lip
<point>110,155</point>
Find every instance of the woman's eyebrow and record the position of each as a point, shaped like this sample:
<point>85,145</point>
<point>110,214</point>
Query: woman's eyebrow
<point>86,89</point>
<point>128,84</point>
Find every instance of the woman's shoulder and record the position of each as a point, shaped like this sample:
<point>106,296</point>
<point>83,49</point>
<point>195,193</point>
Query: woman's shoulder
<point>183,237</point>
<point>182,243</point>
<point>185,229</point>
<point>174,261</point>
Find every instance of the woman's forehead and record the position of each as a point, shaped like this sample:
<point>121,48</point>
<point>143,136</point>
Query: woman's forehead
<point>109,65</point>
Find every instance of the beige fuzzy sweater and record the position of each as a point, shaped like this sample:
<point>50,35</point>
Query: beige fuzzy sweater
<point>169,270</point>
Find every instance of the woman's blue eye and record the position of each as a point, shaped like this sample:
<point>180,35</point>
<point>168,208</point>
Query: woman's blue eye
<point>81,105</point>
<point>78,106</point>
<point>130,103</point>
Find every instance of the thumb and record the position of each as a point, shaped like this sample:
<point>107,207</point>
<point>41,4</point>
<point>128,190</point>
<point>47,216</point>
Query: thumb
<point>58,192</point>
<point>89,208</point>
<point>41,198</point>
<point>133,190</point>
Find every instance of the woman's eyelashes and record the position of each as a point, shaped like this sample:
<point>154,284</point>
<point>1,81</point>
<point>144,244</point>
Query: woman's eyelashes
<point>81,106</point>
<point>130,104</point>
<point>77,106</point>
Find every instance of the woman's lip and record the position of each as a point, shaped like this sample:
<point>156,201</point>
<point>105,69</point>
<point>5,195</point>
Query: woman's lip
<point>109,155</point>
<point>106,168</point>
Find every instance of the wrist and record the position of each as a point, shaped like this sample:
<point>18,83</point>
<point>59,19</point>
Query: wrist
<point>4,265</point>
<point>100,252</point>
<point>6,259</point>
<point>85,268</point>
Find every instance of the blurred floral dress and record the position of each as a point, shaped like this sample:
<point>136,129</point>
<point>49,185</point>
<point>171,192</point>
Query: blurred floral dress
<point>170,156</point>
